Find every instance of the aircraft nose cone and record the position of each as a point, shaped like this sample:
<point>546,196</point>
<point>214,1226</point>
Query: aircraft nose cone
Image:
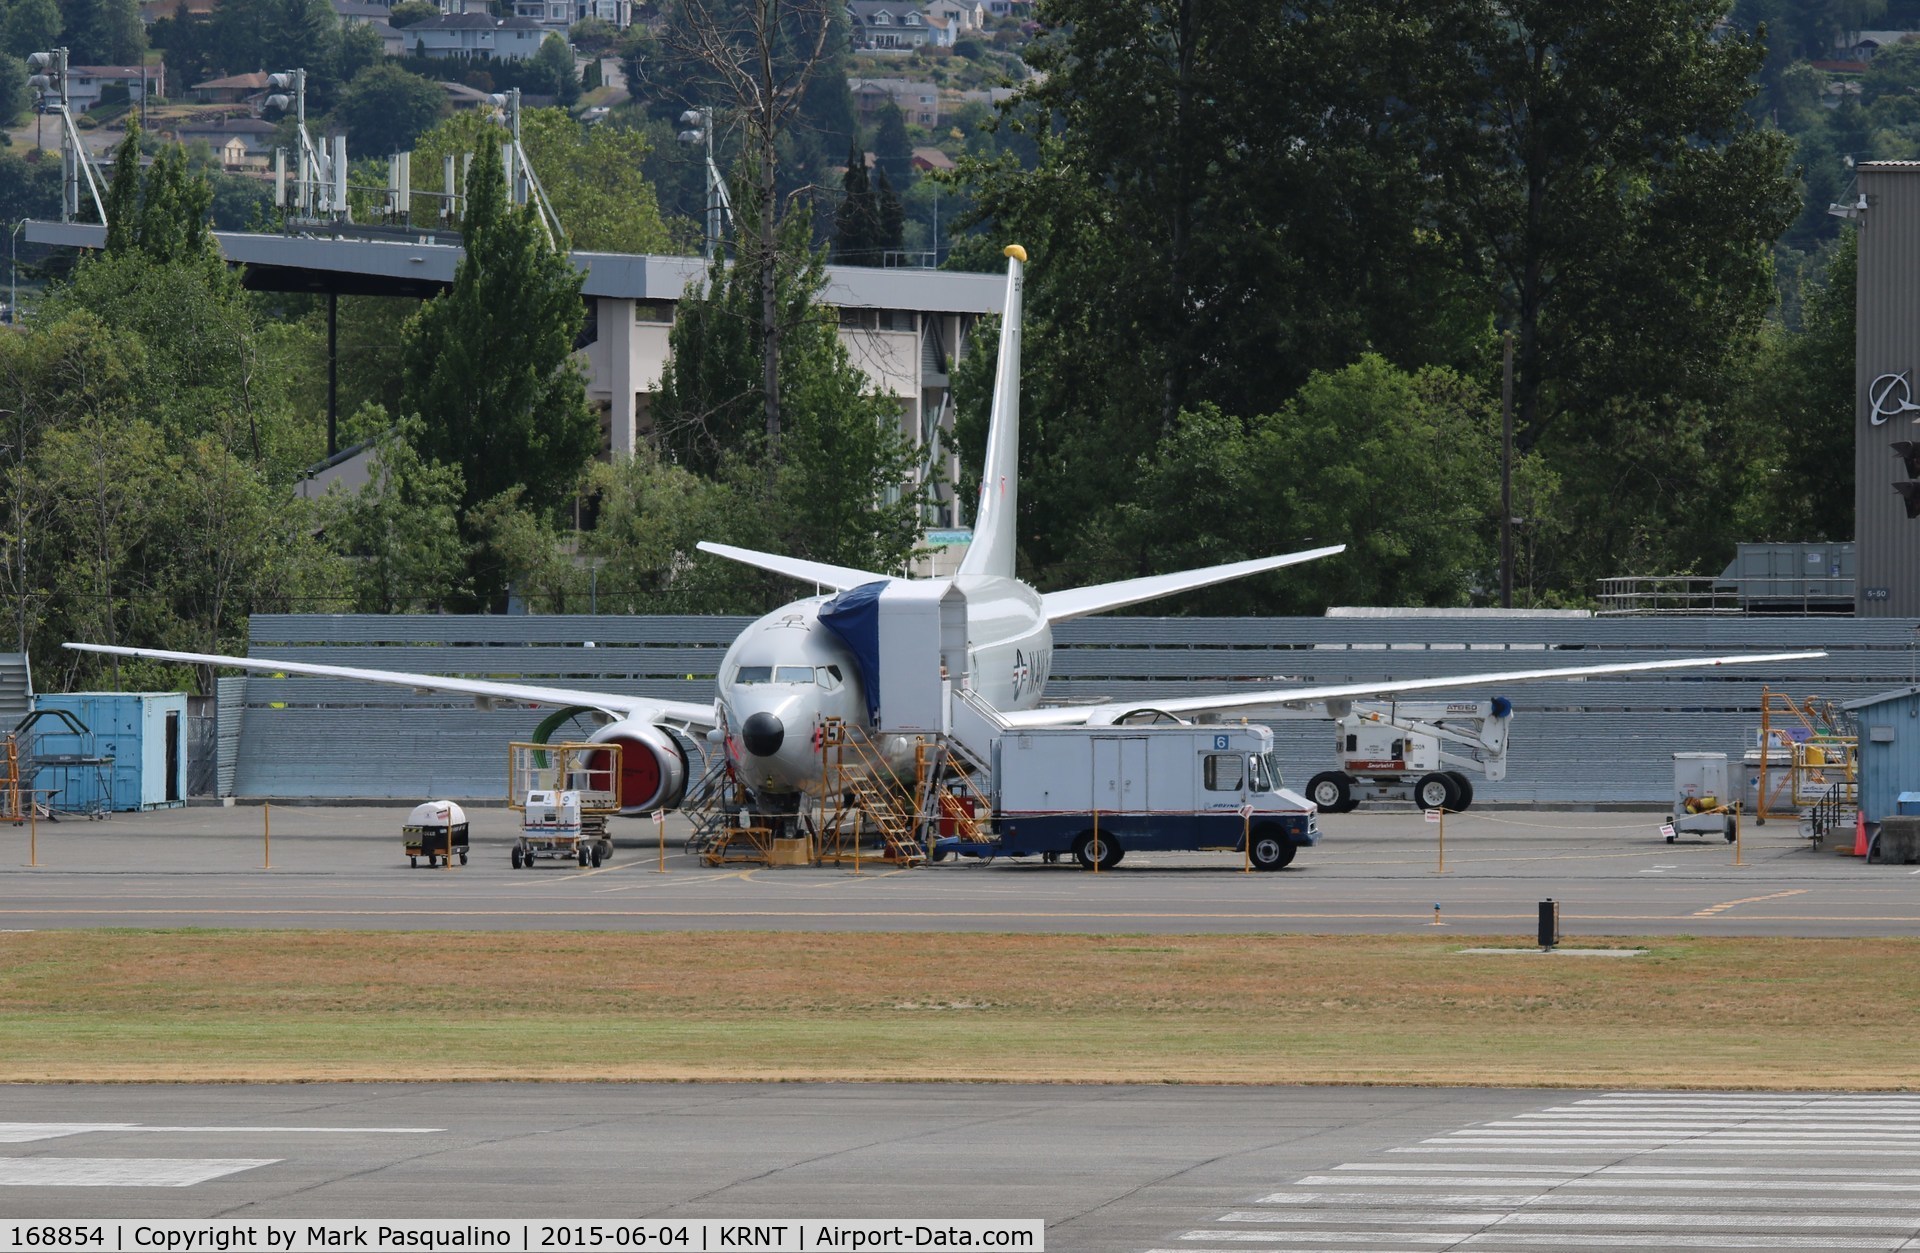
<point>762,733</point>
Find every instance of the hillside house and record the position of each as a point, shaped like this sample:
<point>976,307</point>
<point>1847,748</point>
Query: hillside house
<point>475,37</point>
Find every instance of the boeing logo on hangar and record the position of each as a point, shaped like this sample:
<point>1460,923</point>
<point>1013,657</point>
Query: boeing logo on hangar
<point>1889,396</point>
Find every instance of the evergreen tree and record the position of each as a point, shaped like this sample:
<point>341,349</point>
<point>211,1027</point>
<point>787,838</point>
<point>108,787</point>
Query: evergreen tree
<point>892,151</point>
<point>488,365</point>
<point>103,32</point>
<point>855,221</point>
<point>889,218</point>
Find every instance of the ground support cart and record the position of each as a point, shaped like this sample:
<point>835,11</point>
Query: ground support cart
<point>435,830</point>
<point>565,793</point>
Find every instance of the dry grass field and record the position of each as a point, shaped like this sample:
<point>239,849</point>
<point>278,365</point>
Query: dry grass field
<point>281,1005</point>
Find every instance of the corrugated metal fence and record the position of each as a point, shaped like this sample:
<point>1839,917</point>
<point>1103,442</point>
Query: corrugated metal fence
<point>1596,741</point>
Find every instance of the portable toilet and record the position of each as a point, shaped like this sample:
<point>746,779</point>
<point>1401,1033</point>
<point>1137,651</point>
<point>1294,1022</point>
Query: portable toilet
<point>145,733</point>
<point>1889,725</point>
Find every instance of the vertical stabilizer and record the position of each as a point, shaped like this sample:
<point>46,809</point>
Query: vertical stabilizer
<point>993,526</point>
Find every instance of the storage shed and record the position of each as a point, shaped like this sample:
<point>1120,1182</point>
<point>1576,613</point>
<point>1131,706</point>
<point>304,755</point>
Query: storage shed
<point>145,733</point>
<point>1889,724</point>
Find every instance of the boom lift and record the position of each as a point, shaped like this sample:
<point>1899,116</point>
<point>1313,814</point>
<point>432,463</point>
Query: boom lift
<point>1417,750</point>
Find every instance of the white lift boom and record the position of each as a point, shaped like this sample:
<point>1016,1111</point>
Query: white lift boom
<point>1417,750</point>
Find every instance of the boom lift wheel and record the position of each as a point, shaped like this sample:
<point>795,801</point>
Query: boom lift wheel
<point>594,857</point>
<point>580,854</point>
<point>1331,791</point>
<point>1109,851</point>
<point>1462,789</point>
<point>516,857</point>
<point>1270,851</point>
<point>1435,791</point>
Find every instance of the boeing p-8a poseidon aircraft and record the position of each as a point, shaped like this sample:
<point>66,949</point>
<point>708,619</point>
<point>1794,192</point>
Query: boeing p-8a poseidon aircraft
<point>792,669</point>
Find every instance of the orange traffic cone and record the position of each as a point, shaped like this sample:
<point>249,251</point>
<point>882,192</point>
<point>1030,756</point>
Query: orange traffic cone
<point>1860,834</point>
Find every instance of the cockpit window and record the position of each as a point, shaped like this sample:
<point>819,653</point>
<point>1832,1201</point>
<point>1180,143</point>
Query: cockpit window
<point>829,677</point>
<point>753,674</point>
<point>793,674</point>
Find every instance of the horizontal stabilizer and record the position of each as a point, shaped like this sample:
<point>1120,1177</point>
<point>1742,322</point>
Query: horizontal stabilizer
<point>839,578</point>
<point>1104,596</point>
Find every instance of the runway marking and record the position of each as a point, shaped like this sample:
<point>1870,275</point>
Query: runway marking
<point>1616,1218</point>
<point>120,1172</point>
<point>1417,917</point>
<point>1580,1179</point>
<point>1712,910</point>
<point>1667,1240</point>
<point>1621,1190</point>
<point>26,1132</point>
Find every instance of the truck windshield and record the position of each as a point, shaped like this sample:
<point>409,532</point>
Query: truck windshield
<point>1257,773</point>
<point>1276,779</point>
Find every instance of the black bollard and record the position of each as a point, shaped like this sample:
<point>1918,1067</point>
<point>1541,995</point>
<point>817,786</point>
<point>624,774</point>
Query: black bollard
<point>1549,924</point>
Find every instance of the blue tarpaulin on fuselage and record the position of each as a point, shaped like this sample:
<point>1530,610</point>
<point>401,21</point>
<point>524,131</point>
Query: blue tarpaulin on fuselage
<point>854,616</point>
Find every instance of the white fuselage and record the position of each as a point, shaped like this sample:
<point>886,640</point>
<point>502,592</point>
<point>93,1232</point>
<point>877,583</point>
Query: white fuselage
<point>788,672</point>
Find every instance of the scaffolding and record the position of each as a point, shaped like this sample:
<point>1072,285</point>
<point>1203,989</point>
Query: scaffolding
<point>1823,761</point>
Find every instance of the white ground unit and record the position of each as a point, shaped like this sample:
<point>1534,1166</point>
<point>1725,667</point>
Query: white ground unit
<point>1702,799</point>
<point>1424,751</point>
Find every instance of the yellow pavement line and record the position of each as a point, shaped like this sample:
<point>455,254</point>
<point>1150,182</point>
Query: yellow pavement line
<point>1712,910</point>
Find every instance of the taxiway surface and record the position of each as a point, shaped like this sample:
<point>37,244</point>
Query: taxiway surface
<point>1120,1168</point>
<point>1373,872</point>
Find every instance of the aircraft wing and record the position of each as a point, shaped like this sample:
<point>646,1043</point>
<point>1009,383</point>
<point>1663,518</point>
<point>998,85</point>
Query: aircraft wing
<point>1101,597</point>
<point>645,707</point>
<point>839,578</point>
<point>1080,715</point>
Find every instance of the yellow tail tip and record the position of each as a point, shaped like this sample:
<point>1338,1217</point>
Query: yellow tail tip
<point>1017,253</point>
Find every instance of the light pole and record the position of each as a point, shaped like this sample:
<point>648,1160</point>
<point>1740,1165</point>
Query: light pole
<point>13,273</point>
<point>701,122</point>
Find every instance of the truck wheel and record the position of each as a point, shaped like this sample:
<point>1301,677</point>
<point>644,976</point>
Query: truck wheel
<point>1434,791</point>
<point>516,859</point>
<point>595,858</point>
<point>414,862</point>
<point>1270,851</point>
<point>1083,849</point>
<point>1331,791</point>
<point>463,859</point>
<point>1462,790</point>
<point>580,854</point>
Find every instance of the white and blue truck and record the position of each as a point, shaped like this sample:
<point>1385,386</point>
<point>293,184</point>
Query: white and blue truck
<point>1099,793</point>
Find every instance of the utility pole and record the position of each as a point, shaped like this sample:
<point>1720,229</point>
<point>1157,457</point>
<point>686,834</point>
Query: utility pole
<point>1506,471</point>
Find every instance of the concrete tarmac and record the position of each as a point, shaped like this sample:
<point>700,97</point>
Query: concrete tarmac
<point>1367,1170</point>
<point>1374,872</point>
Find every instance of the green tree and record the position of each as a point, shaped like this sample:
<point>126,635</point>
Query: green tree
<point>554,61</point>
<point>593,176</point>
<point>387,109</point>
<point>892,150</point>
<point>1625,230</point>
<point>30,26</point>
<point>407,12</point>
<point>856,223</point>
<point>361,47</point>
<point>103,32</point>
<point>594,36</point>
<point>15,96</point>
<point>836,492</point>
<point>401,531</point>
<point>488,365</point>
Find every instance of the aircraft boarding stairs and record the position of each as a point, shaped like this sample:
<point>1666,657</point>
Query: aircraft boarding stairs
<point>944,799</point>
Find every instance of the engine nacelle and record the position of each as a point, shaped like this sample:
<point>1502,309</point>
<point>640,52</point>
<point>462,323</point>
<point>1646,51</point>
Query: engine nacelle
<point>653,767</point>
